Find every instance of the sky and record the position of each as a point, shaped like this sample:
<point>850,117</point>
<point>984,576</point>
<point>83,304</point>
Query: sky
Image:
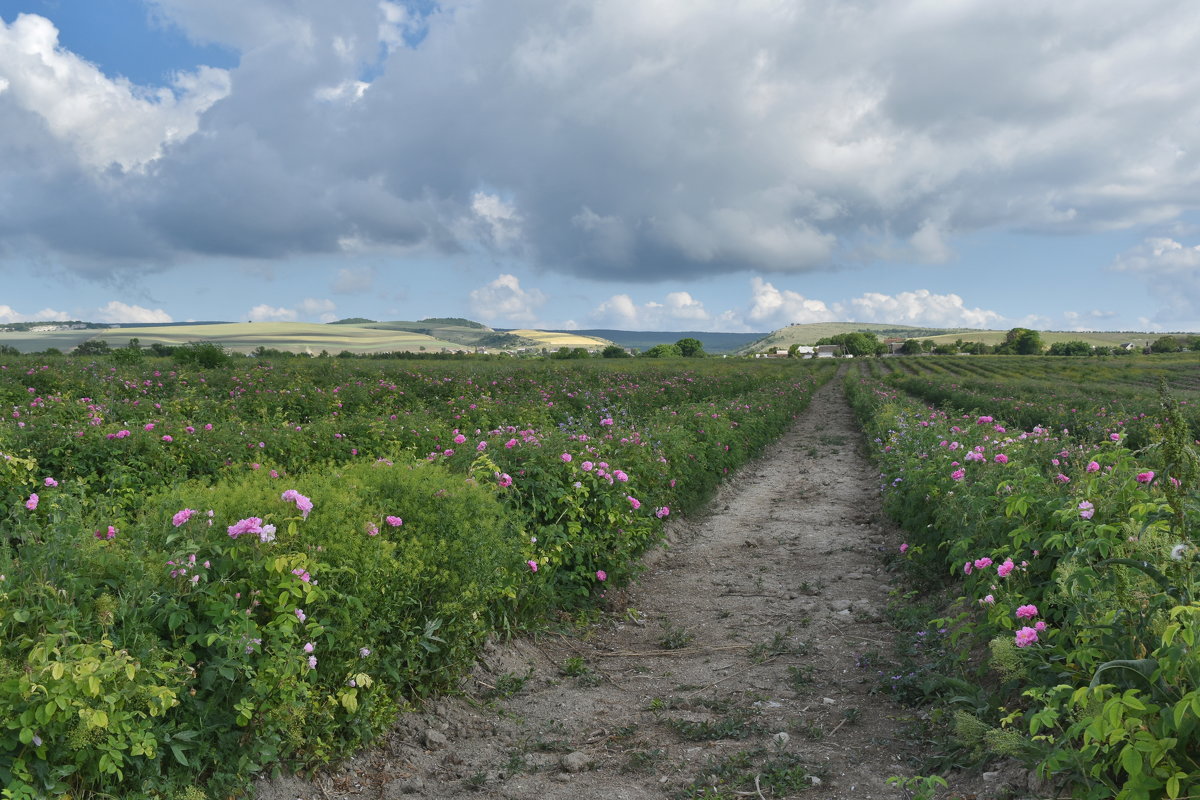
<point>632,164</point>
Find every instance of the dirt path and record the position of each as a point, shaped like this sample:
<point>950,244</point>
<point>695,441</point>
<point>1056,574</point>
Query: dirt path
<point>733,663</point>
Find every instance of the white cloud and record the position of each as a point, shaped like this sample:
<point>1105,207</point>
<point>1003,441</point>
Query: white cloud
<point>1089,320</point>
<point>1171,271</point>
<point>354,280</point>
<point>116,311</point>
<point>920,307</point>
<point>504,299</point>
<point>500,218</point>
<point>106,121</point>
<point>266,313</point>
<point>679,310</point>
<point>10,314</point>
<point>774,308</point>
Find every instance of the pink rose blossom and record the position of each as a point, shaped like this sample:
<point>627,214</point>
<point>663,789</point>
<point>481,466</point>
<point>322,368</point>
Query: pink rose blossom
<point>1026,636</point>
<point>1145,477</point>
<point>1027,612</point>
<point>182,516</point>
<point>1004,569</point>
<point>1001,458</point>
<point>532,565</point>
<point>32,502</point>
<point>1092,466</point>
<point>50,482</point>
<point>1086,510</point>
<point>601,575</point>
<point>633,501</point>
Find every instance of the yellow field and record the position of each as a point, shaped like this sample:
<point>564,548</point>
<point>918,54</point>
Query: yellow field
<point>557,340</point>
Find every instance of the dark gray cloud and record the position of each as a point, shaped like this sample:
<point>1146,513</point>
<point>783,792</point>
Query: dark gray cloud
<point>621,140</point>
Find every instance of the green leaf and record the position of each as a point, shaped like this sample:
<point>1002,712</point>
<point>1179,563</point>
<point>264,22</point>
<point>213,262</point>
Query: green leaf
<point>1143,667</point>
<point>177,751</point>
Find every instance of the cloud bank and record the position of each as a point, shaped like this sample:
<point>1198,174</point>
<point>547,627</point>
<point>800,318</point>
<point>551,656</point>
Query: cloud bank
<point>618,141</point>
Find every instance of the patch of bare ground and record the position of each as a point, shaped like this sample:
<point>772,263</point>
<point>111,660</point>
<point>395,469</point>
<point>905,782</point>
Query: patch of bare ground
<point>732,668</point>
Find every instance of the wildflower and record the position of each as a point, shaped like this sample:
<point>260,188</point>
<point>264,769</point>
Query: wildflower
<point>1026,636</point>
<point>967,567</point>
<point>481,447</point>
<point>1062,478</point>
<point>621,476</point>
<point>300,615</point>
<point>665,511</point>
<point>510,444</point>
<point>312,662</point>
<point>633,501</point>
<point>1092,466</point>
<point>1004,569</point>
<point>372,529</point>
<point>1116,437</point>
<point>1145,477</point>
<point>983,563</point>
<point>111,533</point>
<point>1000,458</point>
<point>587,466</point>
<point>167,439</point>
<point>459,439</point>
<point>904,547</point>
<point>606,421</point>
<point>958,474</point>
<point>267,534</point>
<point>601,575</point>
<point>1027,612</point>
<point>50,482</point>
<point>395,522</point>
<point>1040,625</point>
<point>181,516</point>
<point>1086,510</point>
<point>504,480</point>
<point>302,503</point>
<point>363,652</point>
<point>1178,552</point>
<point>32,502</point>
<point>532,565</point>
<point>566,457</point>
<point>149,426</point>
<point>309,647</point>
<point>988,600</point>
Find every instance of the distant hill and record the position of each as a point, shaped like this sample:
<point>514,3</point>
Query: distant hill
<point>809,333</point>
<point>714,343</point>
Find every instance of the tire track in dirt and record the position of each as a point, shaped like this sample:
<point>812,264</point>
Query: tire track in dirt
<point>733,662</point>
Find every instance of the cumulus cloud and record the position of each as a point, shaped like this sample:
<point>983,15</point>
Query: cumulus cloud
<point>679,310</point>
<point>504,299</point>
<point>116,311</point>
<point>621,142</point>
<point>268,313</point>
<point>105,120</point>
<point>920,307</point>
<point>1089,320</point>
<point>1171,271</point>
<point>774,308</point>
<point>10,314</point>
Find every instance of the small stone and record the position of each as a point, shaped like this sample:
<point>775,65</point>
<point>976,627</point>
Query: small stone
<point>434,740</point>
<point>829,701</point>
<point>560,777</point>
<point>574,762</point>
<point>394,789</point>
<point>781,739</point>
<point>991,777</point>
<point>845,612</point>
<point>815,781</point>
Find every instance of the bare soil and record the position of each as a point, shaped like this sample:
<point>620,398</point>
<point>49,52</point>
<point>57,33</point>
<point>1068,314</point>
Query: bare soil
<point>733,663</point>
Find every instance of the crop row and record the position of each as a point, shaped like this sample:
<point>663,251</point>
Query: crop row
<point>205,573</point>
<point>1074,560</point>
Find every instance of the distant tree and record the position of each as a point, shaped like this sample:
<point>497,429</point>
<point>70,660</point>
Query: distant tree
<point>131,353</point>
<point>91,347</point>
<point>928,345</point>
<point>1165,344</point>
<point>9,350</point>
<point>49,351</point>
<point>663,351</point>
<point>794,350</point>
<point>911,347</point>
<point>976,348</point>
<point>614,351</point>
<point>580,352</point>
<point>160,349</point>
<point>206,355</point>
<point>857,343</point>
<point>1021,341</point>
<point>352,321</point>
<point>691,347</point>
<point>1074,347</point>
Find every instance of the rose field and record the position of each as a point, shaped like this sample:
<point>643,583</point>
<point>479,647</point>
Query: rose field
<point>1052,509</point>
<point>208,573</point>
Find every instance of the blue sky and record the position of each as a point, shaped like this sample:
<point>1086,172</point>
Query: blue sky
<point>676,165</point>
